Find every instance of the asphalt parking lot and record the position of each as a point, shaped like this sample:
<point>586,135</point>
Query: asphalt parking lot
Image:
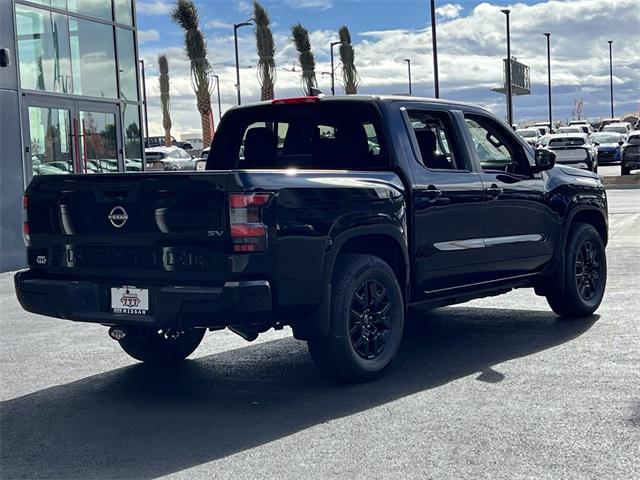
<point>495,388</point>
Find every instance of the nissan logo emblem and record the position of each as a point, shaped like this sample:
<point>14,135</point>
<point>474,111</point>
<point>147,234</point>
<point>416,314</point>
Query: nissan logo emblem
<point>118,217</point>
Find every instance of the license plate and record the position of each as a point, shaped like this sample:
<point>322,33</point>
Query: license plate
<point>130,300</point>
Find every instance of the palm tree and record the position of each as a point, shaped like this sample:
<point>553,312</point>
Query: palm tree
<point>307,61</point>
<point>266,51</point>
<point>350,75</point>
<point>185,15</point>
<point>163,65</point>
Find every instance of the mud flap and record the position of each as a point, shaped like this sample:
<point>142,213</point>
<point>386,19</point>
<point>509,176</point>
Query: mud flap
<point>317,325</point>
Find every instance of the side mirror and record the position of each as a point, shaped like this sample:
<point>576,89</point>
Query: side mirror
<point>596,144</point>
<point>620,143</point>
<point>545,159</point>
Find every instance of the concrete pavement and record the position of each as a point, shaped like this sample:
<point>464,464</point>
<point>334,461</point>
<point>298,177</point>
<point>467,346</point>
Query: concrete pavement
<point>495,388</point>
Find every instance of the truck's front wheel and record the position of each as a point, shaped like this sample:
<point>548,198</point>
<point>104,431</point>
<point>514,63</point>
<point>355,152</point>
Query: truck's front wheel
<point>367,318</point>
<point>162,347</point>
<point>585,275</point>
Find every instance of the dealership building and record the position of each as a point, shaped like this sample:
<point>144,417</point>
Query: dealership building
<point>70,98</point>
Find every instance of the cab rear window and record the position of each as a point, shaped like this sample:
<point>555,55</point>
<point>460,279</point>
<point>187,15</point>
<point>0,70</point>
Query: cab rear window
<point>318,135</point>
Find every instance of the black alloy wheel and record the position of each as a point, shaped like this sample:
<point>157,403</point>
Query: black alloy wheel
<point>587,270</point>
<point>370,322</point>
<point>366,320</point>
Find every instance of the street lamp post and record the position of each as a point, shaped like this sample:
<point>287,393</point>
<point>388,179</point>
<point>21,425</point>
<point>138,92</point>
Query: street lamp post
<point>611,73</point>
<point>219,103</point>
<point>333,70</point>
<point>548,35</point>
<point>146,116</point>
<point>408,60</point>
<point>236,26</point>
<point>508,67</point>
<point>434,37</point>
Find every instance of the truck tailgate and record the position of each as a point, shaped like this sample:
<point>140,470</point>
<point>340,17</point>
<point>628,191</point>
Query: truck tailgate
<point>131,225</point>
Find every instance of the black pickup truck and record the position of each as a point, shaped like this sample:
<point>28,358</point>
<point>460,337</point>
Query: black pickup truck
<point>329,215</point>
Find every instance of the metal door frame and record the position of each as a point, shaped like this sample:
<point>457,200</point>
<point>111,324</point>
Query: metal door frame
<point>73,106</point>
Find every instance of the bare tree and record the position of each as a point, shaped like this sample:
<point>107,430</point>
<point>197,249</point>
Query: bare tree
<point>165,99</point>
<point>307,61</point>
<point>350,77</point>
<point>185,15</point>
<point>266,52</point>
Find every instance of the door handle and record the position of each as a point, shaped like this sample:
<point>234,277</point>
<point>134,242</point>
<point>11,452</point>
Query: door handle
<point>433,192</point>
<point>494,190</point>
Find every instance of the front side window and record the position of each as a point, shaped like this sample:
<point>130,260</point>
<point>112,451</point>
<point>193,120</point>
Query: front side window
<point>496,149</point>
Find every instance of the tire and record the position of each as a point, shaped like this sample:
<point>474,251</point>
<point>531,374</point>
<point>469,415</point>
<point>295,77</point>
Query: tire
<point>584,281</point>
<point>151,347</point>
<point>625,171</point>
<point>366,320</point>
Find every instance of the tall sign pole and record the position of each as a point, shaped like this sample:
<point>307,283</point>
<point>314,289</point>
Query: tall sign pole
<point>508,67</point>
<point>548,35</point>
<point>434,39</point>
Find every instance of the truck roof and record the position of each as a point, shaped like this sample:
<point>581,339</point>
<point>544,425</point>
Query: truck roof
<point>365,98</point>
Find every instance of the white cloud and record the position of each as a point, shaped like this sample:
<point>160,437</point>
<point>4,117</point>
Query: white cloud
<point>449,10</point>
<point>154,7</point>
<point>150,35</point>
<point>218,24</point>
<point>471,49</point>
<point>315,4</point>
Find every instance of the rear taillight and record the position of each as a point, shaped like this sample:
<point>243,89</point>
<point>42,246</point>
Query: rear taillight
<point>25,221</point>
<point>248,233</point>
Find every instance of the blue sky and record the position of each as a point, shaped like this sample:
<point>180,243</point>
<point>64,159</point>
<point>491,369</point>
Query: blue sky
<point>471,44</point>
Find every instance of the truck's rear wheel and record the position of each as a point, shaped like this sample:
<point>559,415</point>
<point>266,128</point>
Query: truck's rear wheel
<point>162,348</point>
<point>367,318</point>
<point>585,274</point>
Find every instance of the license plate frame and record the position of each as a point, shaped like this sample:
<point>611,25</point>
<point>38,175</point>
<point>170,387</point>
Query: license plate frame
<point>130,300</point>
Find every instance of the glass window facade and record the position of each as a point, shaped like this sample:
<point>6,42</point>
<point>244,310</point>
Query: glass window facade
<point>124,11</point>
<point>83,51</point>
<point>132,133</point>
<point>43,47</point>
<point>50,148</point>
<point>127,65</point>
<point>93,58</point>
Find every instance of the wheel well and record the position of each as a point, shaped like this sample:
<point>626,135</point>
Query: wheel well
<point>383,246</point>
<point>594,218</point>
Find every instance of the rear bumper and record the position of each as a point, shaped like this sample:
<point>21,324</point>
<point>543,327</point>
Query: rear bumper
<point>235,303</point>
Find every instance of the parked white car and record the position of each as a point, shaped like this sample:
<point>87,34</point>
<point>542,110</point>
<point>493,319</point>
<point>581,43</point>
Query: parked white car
<point>529,135</point>
<point>168,159</point>
<point>621,127</point>
<point>574,150</point>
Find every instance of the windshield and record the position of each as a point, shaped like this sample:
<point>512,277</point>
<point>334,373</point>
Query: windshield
<point>614,128</point>
<point>566,142</point>
<point>606,137</point>
<point>317,135</point>
<point>527,133</point>
<point>569,130</point>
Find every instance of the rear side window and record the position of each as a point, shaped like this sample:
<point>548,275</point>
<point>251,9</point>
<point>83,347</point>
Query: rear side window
<point>306,136</point>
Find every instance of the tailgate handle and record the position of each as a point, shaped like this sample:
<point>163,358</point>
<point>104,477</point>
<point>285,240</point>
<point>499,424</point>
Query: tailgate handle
<point>122,193</point>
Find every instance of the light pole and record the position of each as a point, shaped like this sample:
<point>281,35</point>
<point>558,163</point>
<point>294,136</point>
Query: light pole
<point>146,116</point>
<point>236,26</point>
<point>333,70</point>
<point>508,67</point>
<point>548,35</point>
<point>408,60</point>
<point>611,73</point>
<point>434,39</point>
<point>219,103</point>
